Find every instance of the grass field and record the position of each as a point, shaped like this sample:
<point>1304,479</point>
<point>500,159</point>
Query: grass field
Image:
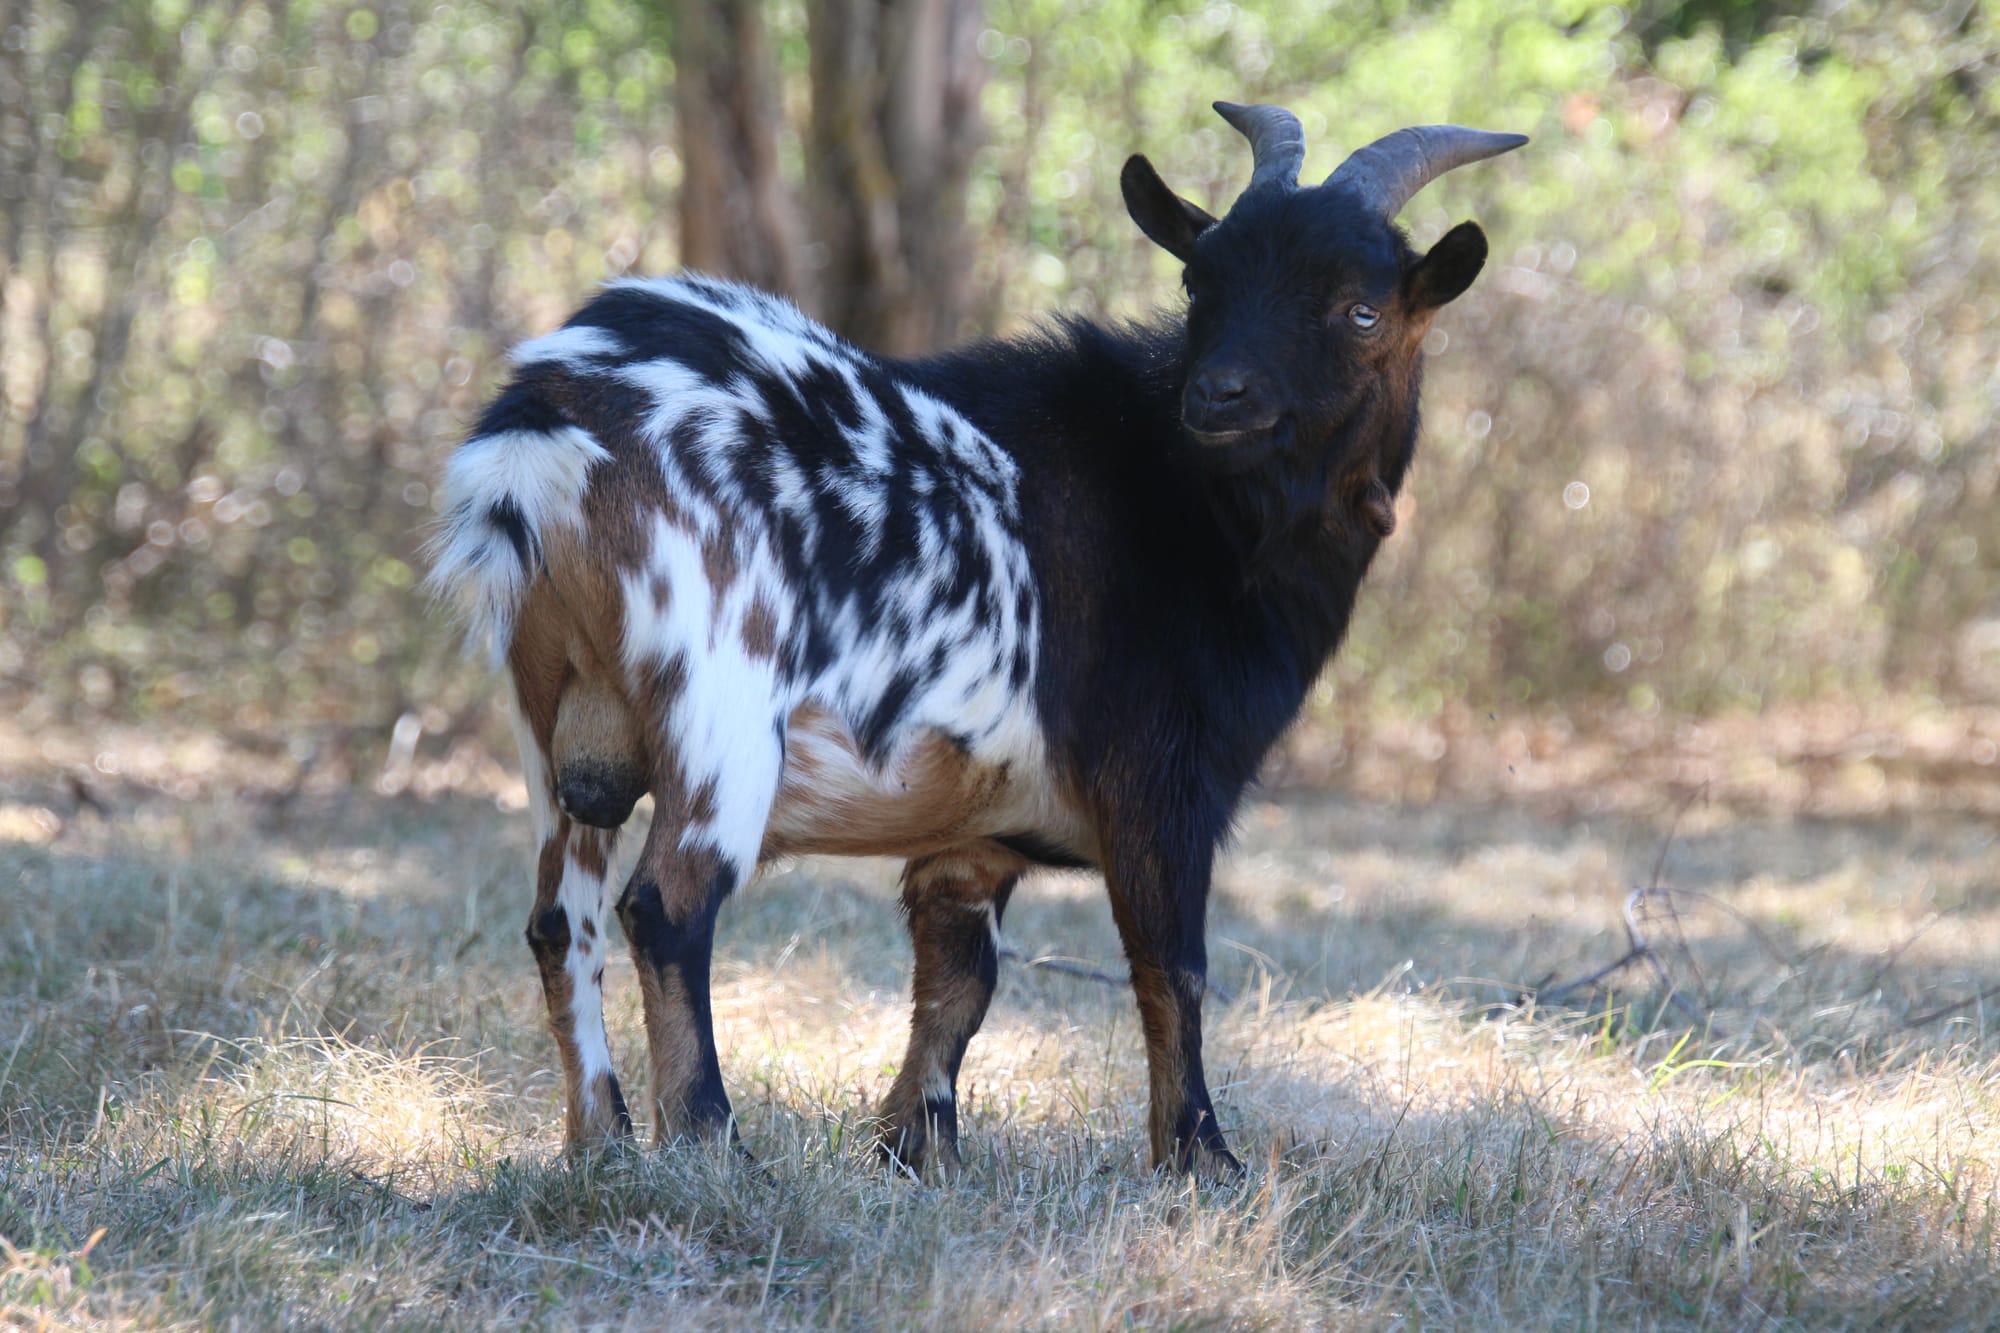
<point>271,1061</point>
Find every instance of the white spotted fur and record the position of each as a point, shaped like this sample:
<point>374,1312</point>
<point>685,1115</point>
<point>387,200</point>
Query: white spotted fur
<point>725,724</point>
<point>542,474</point>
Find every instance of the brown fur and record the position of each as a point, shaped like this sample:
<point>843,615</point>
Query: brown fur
<point>593,723</point>
<point>1160,1021</point>
<point>760,631</point>
<point>561,660</point>
<point>537,660</point>
<point>672,1047</point>
<point>701,803</point>
<point>591,848</point>
<point>947,898</point>
<point>718,561</point>
<point>685,887</point>
<point>831,803</point>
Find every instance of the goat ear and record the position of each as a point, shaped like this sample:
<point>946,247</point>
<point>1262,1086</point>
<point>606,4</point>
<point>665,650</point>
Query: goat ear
<point>1444,274</point>
<point>1170,221</point>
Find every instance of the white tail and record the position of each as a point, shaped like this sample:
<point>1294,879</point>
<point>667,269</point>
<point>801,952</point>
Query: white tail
<point>502,492</point>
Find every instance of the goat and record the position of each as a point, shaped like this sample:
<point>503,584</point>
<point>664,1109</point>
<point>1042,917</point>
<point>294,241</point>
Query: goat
<point>1039,602</point>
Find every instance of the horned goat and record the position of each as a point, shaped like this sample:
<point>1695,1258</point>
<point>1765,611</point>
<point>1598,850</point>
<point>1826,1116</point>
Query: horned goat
<point>1046,601</point>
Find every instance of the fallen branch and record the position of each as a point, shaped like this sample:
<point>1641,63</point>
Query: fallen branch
<point>1891,958</point>
<point>1652,957</point>
<point>1639,948</point>
<point>1990,993</point>
<point>1070,967</point>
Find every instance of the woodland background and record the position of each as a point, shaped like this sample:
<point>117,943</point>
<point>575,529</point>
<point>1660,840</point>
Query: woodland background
<point>1705,505</point>
<point>1714,434</point>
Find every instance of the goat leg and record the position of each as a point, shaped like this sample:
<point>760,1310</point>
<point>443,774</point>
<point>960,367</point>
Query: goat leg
<point>952,901</point>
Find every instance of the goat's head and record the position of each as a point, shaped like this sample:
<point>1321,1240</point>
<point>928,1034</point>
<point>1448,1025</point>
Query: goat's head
<point>1305,303</point>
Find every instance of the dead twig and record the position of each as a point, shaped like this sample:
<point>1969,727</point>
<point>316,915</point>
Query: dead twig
<point>1673,828</point>
<point>1990,993</point>
<point>1651,955</point>
<point>1743,919</point>
<point>1556,995</point>
<point>1048,962</point>
<point>1070,967</point>
<point>1639,947</point>
<point>1640,950</point>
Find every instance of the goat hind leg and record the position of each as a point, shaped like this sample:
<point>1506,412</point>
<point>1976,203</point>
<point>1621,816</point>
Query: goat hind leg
<point>952,901</point>
<point>566,936</point>
<point>703,844</point>
<point>566,925</point>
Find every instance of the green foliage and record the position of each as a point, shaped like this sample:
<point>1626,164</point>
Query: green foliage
<point>1732,298</point>
<point>1710,431</point>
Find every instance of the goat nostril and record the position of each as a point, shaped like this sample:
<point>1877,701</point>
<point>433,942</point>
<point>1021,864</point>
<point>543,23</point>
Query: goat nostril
<point>1222,387</point>
<point>1217,390</point>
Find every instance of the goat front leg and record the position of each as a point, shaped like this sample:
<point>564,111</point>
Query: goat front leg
<point>952,901</point>
<point>1161,906</point>
<point>566,936</point>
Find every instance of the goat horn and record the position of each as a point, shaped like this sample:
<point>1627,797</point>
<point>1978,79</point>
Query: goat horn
<point>1388,172</point>
<point>1277,142</point>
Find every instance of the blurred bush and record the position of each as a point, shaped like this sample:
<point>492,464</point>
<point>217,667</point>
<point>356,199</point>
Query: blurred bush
<point>1714,430</point>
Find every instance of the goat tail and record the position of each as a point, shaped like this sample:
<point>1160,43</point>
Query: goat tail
<point>522,472</point>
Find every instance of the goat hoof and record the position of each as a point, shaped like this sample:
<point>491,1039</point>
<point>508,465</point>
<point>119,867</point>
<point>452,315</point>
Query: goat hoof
<point>907,1147</point>
<point>603,1136</point>
<point>607,1130</point>
<point>1211,1165</point>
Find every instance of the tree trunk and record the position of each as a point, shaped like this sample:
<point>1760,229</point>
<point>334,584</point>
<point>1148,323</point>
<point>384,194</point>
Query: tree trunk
<point>737,219</point>
<point>895,99</point>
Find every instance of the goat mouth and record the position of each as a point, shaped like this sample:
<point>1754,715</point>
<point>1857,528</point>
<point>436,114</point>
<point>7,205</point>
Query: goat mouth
<point>1235,450</point>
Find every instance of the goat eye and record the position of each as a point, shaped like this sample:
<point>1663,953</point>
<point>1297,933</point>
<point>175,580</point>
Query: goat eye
<point>1363,316</point>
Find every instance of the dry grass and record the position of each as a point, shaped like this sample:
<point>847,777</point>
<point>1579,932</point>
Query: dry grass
<point>295,1073</point>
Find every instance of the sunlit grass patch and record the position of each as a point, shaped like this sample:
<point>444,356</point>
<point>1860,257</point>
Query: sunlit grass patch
<point>299,1075</point>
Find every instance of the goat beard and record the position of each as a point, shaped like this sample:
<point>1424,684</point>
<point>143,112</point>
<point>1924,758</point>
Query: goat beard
<point>1273,517</point>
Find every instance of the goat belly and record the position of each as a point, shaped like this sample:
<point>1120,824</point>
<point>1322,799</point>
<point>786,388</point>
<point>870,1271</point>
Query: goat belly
<point>932,791</point>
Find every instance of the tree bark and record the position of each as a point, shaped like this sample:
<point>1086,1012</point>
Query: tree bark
<point>737,220</point>
<point>895,99</point>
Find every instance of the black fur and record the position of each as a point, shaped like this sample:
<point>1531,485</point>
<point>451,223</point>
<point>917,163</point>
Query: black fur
<point>1176,515</point>
<point>1191,592</point>
<point>1194,585</point>
<point>683,951</point>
